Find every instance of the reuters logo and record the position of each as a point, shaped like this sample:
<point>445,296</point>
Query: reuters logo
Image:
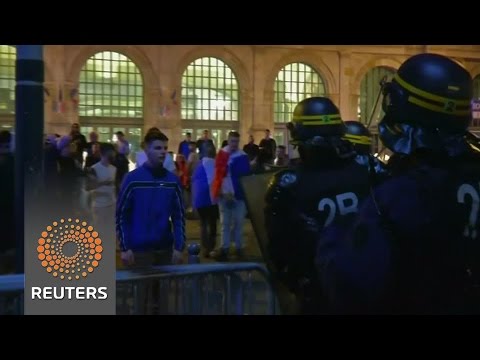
<point>69,249</point>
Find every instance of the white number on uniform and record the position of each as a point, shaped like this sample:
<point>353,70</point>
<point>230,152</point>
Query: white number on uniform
<point>346,203</point>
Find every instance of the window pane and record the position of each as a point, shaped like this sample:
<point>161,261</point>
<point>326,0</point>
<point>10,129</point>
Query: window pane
<point>204,91</point>
<point>115,85</point>
<point>8,56</point>
<point>294,83</point>
<point>369,91</point>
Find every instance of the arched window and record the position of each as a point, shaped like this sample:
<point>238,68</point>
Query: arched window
<point>210,99</point>
<point>8,55</point>
<point>111,99</point>
<point>369,91</point>
<point>294,83</point>
<point>111,85</point>
<point>209,91</point>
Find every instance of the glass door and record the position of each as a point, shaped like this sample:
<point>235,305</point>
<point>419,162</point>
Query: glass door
<point>217,135</point>
<point>280,137</point>
<point>134,137</point>
<point>85,131</point>
<point>104,134</point>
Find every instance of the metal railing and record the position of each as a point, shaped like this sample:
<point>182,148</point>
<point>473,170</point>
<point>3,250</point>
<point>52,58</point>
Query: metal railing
<point>193,289</point>
<point>197,289</point>
<point>11,294</point>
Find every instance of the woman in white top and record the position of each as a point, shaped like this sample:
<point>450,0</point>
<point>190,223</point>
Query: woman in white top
<point>101,183</point>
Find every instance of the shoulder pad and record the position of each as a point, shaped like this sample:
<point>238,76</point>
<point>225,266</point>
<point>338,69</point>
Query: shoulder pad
<point>280,187</point>
<point>285,178</point>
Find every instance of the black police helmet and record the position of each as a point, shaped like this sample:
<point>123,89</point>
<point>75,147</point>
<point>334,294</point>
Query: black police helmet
<point>431,92</point>
<point>315,118</point>
<point>359,136</point>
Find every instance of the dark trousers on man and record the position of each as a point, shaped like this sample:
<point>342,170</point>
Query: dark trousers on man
<point>152,296</point>
<point>208,223</point>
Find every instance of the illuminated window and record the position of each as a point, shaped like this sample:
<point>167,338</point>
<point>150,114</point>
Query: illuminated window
<point>476,87</point>
<point>369,91</point>
<point>209,91</point>
<point>476,96</point>
<point>280,136</point>
<point>294,83</point>
<point>111,85</point>
<point>8,55</point>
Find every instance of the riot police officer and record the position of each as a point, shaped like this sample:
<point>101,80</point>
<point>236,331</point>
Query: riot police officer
<point>414,247</point>
<point>361,139</point>
<point>328,185</point>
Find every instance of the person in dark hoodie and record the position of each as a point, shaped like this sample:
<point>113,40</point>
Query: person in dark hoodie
<point>149,197</point>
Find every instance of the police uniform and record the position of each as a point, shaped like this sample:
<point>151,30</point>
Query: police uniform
<point>413,248</point>
<point>328,185</point>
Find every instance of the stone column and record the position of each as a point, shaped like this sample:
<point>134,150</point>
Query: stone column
<point>165,113</point>
<point>29,124</point>
<point>347,98</point>
<point>247,115</point>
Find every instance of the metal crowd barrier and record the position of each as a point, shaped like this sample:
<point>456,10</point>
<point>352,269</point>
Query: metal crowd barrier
<point>197,289</point>
<point>11,294</point>
<point>193,289</point>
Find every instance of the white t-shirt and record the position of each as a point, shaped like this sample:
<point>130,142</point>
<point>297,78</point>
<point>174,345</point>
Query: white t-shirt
<point>104,195</point>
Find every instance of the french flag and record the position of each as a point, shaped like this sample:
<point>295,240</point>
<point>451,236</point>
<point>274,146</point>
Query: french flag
<point>202,180</point>
<point>229,168</point>
<point>57,104</point>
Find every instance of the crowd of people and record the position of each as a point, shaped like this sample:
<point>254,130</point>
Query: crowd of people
<point>90,178</point>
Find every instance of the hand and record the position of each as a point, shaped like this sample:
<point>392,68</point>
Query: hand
<point>229,201</point>
<point>127,257</point>
<point>177,257</point>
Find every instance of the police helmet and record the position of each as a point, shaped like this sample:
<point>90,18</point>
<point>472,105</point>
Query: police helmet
<point>315,119</point>
<point>359,136</point>
<point>431,94</point>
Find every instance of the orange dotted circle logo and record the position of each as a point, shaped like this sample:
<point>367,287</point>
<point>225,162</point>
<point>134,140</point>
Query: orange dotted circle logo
<point>76,266</point>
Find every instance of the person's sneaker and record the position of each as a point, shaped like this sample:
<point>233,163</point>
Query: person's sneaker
<point>219,255</point>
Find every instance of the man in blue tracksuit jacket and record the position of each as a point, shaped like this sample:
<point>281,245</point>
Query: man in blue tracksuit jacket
<point>150,202</point>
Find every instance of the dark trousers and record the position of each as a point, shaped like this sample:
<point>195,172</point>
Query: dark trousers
<point>208,223</point>
<point>152,295</point>
<point>147,259</point>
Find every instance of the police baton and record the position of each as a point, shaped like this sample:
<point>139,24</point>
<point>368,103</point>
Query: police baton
<point>380,92</point>
<point>473,140</point>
